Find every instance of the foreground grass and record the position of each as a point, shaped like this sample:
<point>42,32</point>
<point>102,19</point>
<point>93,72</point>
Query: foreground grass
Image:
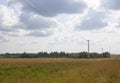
<point>60,70</point>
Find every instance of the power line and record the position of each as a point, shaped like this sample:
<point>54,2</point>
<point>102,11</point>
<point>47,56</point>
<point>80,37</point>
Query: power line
<point>45,13</point>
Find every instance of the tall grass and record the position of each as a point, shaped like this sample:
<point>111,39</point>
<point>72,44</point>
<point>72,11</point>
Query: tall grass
<point>60,70</point>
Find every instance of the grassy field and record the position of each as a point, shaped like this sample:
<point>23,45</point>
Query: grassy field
<point>60,70</point>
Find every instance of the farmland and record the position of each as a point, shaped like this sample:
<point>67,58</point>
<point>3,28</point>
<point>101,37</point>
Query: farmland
<point>64,70</point>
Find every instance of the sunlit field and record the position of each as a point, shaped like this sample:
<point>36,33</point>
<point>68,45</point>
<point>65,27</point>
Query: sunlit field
<point>60,70</point>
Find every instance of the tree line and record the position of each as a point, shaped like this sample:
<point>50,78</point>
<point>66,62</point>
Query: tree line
<point>55,55</point>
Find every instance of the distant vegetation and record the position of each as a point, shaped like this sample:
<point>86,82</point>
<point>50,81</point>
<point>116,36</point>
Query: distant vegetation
<point>55,55</point>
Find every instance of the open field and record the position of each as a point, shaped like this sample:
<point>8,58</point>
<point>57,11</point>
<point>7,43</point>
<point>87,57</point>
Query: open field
<point>115,56</point>
<point>60,70</point>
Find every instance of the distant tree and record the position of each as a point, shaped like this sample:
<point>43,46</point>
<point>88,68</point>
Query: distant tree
<point>24,55</point>
<point>94,55</point>
<point>106,55</point>
<point>83,55</point>
<point>55,55</point>
<point>62,54</point>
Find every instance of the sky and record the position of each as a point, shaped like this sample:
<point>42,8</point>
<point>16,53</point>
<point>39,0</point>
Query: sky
<point>59,25</point>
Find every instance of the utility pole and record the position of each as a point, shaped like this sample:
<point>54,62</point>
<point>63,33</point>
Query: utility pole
<point>88,48</point>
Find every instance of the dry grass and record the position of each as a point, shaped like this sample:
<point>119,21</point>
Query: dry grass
<point>60,70</point>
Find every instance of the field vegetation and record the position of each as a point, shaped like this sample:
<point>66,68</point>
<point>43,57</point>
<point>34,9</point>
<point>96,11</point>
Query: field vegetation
<point>60,70</point>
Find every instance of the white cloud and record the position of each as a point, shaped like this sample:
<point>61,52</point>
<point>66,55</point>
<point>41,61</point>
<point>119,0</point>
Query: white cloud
<point>3,39</point>
<point>8,17</point>
<point>40,33</point>
<point>93,3</point>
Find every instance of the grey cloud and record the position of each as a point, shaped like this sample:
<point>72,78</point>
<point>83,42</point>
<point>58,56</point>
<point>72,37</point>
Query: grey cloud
<point>9,33</point>
<point>111,4</point>
<point>52,7</point>
<point>93,20</point>
<point>31,21</point>
<point>37,25</point>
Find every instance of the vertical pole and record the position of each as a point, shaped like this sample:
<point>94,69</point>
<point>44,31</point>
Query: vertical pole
<point>88,49</point>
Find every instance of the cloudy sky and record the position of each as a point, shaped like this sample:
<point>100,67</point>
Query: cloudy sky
<point>59,25</point>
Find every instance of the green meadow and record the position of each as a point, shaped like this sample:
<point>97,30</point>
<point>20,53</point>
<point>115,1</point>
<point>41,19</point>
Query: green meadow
<point>62,70</point>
